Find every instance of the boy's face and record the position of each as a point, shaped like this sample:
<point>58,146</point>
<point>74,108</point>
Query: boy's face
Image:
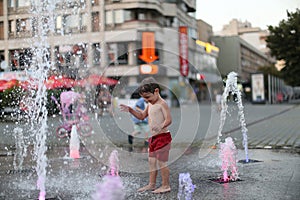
<point>151,97</point>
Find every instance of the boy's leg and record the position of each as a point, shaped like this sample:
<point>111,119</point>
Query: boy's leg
<point>152,175</point>
<point>110,109</point>
<point>100,110</point>
<point>130,139</point>
<point>132,135</point>
<point>165,176</point>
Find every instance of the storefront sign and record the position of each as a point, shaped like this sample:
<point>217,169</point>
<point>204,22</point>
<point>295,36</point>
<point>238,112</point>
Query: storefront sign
<point>183,51</point>
<point>258,88</point>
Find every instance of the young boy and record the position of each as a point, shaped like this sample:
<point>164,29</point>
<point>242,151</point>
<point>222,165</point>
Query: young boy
<point>159,118</point>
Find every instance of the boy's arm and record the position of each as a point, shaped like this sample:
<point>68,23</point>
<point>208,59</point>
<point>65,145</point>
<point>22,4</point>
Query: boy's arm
<point>167,114</point>
<point>137,113</point>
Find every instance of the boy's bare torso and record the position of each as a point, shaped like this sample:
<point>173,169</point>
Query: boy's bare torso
<point>156,118</point>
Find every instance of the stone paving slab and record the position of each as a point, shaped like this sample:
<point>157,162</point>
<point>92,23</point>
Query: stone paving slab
<point>277,176</point>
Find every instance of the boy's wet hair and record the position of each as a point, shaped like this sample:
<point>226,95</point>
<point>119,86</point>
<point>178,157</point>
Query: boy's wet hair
<point>148,85</point>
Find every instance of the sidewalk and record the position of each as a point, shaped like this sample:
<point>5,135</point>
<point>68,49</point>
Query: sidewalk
<point>275,177</point>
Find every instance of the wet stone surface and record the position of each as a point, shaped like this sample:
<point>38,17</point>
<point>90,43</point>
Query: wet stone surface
<point>77,178</point>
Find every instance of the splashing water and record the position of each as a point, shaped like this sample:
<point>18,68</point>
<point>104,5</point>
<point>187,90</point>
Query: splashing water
<point>21,149</point>
<point>114,163</point>
<point>228,155</point>
<point>231,87</point>
<point>111,188</point>
<point>43,22</point>
<point>74,143</point>
<point>186,187</point>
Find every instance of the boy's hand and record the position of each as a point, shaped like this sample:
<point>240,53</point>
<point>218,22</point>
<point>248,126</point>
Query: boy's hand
<point>156,128</point>
<point>124,108</point>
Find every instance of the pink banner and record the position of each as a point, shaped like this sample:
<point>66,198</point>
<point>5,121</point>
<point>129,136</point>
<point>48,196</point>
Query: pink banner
<point>183,51</point>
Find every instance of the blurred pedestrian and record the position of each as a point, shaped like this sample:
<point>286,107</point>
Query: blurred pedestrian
<point>67,99</point>
<point>219,101</point>
<point>105,101</point>
<point>140,126</point>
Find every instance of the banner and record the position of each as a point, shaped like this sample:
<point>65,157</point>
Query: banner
<point>258,88</point>
<point>183,51</point>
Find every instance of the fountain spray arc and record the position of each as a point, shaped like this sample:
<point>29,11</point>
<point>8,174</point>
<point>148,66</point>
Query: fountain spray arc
<point>111,187</point>
<point>231,86</point>
<point>43,24</point>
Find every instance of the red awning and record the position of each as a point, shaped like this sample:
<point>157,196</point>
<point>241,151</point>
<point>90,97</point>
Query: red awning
<point>4,85</point>
<point>52,82</point>
<point>96,80</point>
<point>59,82</point>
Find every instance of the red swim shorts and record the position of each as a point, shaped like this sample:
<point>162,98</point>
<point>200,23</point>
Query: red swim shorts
<point>159,146</point>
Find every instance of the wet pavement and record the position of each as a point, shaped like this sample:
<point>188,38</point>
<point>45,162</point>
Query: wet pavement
<point>276,176</point>
<point>273,140</point>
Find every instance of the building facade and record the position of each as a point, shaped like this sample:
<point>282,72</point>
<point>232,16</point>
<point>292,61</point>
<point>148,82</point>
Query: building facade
<point>205,31</point>
<point>253,35</point>
<point>238,55</point>
<point>122,39</point>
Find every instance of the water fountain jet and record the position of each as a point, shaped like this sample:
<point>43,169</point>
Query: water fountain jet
<point>74,143</point>
<point>43,23</point>
<point>231,87</point>
<point>21,149</point>
<point>114,163</point>
<point>111,187</point>
<point>186,187</point>
<point>228,155</point>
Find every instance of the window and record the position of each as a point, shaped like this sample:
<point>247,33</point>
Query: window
<point>1,8</point>
<point>23,3</point>
<point>109,17</point>
<point>1,31</point>
<point>95,21</point>
<point>23,25</point>
<point>11,3</point>
<point>84,22</point>
<point>96,54</point>
<point>117,53</point>
<point>72,23</point>
<point>71,56</point>
<point>11,27</point>
<point>20,59</point>
<point>115,16</point>
<point>119,16</point>
<point>142,16</point>
<point>58,24</point>
<point>192,33</point>
<point>95,2</point>
<point>128,15</point>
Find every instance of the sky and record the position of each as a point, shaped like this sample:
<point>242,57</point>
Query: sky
<point>259,13</point>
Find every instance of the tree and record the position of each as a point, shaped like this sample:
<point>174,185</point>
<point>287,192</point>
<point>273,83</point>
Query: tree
<point>272,70</point>
<point>284,44</point>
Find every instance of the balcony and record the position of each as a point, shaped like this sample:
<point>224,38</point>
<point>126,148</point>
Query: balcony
<point>137,4</point>
<point>191,5</point>
<point>133,24</point>
<point>19,10</point>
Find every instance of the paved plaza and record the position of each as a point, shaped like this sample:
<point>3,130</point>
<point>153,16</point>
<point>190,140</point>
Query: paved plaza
<point>273,140</point>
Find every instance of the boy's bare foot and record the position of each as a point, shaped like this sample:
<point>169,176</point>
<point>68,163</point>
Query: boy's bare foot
<point>147,187</point>
<point>162,189</point>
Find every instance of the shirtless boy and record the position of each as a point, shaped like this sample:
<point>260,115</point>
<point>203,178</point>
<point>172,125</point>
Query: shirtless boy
<point>159,118</point>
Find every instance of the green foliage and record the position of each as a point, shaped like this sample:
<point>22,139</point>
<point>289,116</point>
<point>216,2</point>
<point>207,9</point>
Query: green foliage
<point>284,43</point>
<point>270,70</point>
<point>51,106</point>
<point>11,97</point>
